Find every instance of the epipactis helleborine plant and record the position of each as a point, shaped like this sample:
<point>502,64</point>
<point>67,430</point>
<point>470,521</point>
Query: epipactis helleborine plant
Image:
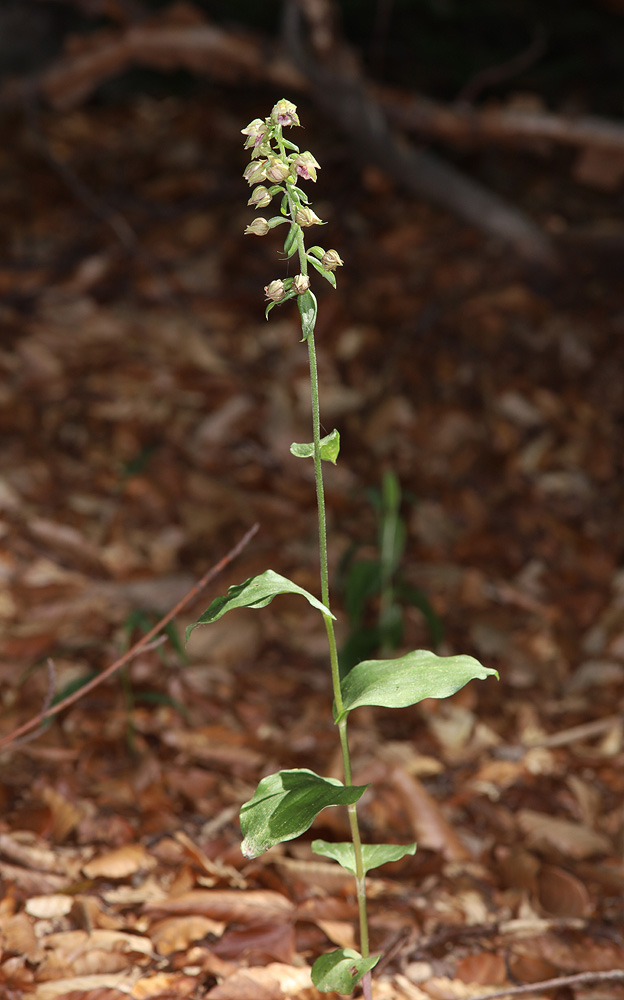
<point>286,804</point>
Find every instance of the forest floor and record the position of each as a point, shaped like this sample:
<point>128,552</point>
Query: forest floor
<point>146,410</point>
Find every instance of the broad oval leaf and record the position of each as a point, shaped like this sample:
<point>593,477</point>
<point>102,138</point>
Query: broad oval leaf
<point>285,804</point>
<point>373,855</point>
<point>408,679</point>
<point>256,592</point>
<point>330,447</point>
<point>307,309</point>
<point>341,970</point>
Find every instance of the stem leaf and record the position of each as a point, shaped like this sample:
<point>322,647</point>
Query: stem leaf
<point>408,679</point>
<point>307,309</point>
<point>373,855</point>
<point>328,275</point>
<point>256,592</point>
<point>285,804</point>
<point>290,243</point>
<point>330,447</point>
<point>341,970</point>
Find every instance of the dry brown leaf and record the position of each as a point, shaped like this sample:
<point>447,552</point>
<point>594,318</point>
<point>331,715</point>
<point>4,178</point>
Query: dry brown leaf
<point>430,828</point>
<point>18,936</point>
<point>59,988</point>
<point>75,941</point>
<point>177,933</point>
<point>485,969</point>
<point>66,815</point>
<point>562,894</point>
<point>573,840</point>
<point>121,863</point>
<point>272,982</point>
<point>174,984</point>
<point>339,932</point>
<point>229,905</point>
<point>48,907</point>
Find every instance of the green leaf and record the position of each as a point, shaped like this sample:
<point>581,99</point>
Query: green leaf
<point>271,305</point>
<point>317,252</point>
<point>290,145</point>
<point>361,644</point>
<point>363,582</point>
<point>330,447</point>
<point>328,275</point>
<point>408,679</point>
<point>256,592</point>
<point>341,970</point>
<point>373,855</point>
<point>417,599</point>
<point>307,308</point>
<point>285,804</point>
<point>290,243</point>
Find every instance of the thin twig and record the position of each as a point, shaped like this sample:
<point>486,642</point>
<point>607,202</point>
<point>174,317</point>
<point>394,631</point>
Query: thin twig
<point>503,72</point>
<point>579,979</point>
<point>143,643</point>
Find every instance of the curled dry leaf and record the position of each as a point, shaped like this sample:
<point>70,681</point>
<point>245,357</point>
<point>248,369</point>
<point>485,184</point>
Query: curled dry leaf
<point>120,863</point>
<point>429,826</point>
<point>562,894</point>
<point>272,982</point>
<point>573,840</point>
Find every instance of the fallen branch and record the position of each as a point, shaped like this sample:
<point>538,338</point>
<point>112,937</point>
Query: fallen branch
<point>579,979</point>
<point>142,644</point>
<point>338,87</point>
<point>468,126</point>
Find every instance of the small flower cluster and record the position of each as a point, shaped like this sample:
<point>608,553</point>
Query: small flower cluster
<point>279,163</point>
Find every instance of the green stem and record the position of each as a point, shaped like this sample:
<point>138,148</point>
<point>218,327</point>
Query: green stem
<point>333,650</point>
<point>324,571</point>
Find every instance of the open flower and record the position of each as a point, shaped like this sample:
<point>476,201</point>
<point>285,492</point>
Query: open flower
<point>304,216</point>
<point>275,290</point>
<point>284,113</point>
<point>306,166</point>
<point>259,227</point>
<point>301,283</point>
<point>256,133</point>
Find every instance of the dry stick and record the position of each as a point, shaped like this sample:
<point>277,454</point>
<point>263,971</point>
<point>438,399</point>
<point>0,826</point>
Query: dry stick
<point>138,646</point>
<point>504,71</point>
<point>579,979</point>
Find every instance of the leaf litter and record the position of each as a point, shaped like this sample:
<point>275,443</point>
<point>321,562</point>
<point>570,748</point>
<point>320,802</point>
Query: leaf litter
<point>142,436</point>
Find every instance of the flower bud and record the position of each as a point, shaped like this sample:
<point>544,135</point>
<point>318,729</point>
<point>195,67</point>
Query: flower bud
<point>306,166</point>
<point>259,227</point>
<point>304,216</point>
<point>256,133</point>
<point>277,170</point>
<point>284,113</point>
<point>301,283</point>
<point>260,197</point>
<point>275,290</point>
<point>255,172</point>
<point>331,260</point>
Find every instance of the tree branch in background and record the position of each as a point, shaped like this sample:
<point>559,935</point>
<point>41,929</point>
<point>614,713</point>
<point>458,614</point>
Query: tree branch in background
<point>338,87</point>
<point>316,60</point>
